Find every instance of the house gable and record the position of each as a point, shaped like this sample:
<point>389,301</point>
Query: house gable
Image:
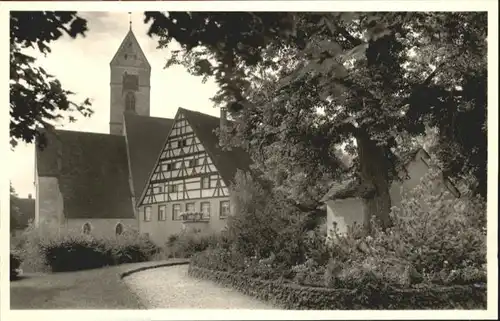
<point>185,169</point>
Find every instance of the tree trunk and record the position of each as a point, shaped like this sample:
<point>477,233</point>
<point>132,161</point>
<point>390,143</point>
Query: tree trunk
<point>374,169</point>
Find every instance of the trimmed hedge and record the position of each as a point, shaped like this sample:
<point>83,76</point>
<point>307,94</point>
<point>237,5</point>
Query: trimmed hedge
<point>294,296</point>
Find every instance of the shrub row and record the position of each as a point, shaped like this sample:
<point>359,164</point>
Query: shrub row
<point>74,251</point>
<point>293,296</point>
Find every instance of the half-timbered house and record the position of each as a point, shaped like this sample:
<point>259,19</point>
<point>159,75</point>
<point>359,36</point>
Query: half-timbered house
<point>155,175</point>
<point>188,188</point>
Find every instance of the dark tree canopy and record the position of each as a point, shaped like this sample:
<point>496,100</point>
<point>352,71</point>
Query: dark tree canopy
<point>380,79</point>
<point>36,97</point>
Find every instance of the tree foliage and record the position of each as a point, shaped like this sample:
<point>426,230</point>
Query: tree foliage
<point>15,212</point>
<point>37,98</point>
<point>301,84</point>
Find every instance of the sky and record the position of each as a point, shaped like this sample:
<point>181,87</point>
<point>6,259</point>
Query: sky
<point>82,66</point>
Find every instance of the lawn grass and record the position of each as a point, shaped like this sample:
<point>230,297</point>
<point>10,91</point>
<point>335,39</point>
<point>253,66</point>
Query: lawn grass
<point>91,289</point>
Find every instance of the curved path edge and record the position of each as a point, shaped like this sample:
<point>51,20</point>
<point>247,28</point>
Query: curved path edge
<point>152,266</point>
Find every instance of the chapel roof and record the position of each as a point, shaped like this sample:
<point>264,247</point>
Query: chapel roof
<point>145,137</point>
<point>92,171</point>
<point>352,187</point>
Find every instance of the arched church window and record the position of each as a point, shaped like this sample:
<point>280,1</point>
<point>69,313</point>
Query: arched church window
<point>130,101</point>
<point>119,229</point>
<point>86,228</point>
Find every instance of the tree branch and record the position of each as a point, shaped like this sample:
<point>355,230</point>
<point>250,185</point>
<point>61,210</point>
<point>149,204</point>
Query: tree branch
<point>337,29</point>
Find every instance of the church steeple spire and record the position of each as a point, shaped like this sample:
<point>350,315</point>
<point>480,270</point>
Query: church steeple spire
<point>130,82</point>
<point>130,20</point>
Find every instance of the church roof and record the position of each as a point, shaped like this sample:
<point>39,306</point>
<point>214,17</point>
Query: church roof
<point>226,161</point>
<point>145,137</point>
<point>92,170</point>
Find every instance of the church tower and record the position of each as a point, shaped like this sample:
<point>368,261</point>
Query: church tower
<point>130,88</point>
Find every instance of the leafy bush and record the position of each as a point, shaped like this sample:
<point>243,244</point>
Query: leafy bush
<point>74,252</point>
<point>436,234</point>
<point>434,239</point>
<point>130,247</point>
<point>33,260</point>
<point>266,224</point>
<point>185,245</point>
<point>15,263</point>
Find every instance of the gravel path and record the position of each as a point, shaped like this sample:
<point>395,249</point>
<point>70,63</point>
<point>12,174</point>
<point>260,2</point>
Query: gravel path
<point>171,287</point>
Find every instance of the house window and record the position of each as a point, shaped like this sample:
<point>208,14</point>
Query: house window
<point>86,228</point>
<point>176,210</point>
<point>205,209</point>
<point>224,209</point>
<point>162,213</point>
<point>190,207</point>
<point>147,213</point>
<point>172,188</point>
<point>119,229</point>
<point>205,182</point>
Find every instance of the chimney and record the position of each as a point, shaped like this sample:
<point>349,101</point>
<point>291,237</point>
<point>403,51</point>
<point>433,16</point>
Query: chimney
<point>29,196</point>
<point>223,122</point>
<point>223,117</point>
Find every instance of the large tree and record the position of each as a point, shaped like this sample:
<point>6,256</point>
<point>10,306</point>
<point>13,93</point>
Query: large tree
<point>379,79</point>
<point>37,98</point>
